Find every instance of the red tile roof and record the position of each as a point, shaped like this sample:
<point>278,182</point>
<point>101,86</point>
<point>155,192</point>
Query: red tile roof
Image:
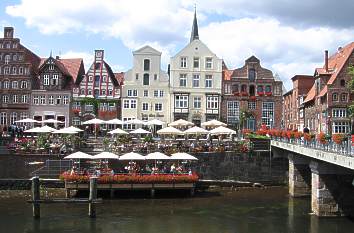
<point>311,94</point>
<point>119,77</point>
<point>70,66</point>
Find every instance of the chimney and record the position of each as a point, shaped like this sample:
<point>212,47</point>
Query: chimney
<point>8,32</point>
<point>57,57</point>
<point>326,60</point>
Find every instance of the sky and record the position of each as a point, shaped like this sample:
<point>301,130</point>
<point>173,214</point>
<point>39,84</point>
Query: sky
<point>289,37</point>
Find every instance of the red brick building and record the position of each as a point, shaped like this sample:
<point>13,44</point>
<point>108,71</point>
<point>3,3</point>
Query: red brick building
<point>18,68</point>
<point>293,116</point>
<point>326,104</point>
<point>251,96</point>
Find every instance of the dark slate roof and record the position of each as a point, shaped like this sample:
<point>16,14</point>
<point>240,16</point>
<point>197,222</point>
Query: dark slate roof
<point>194,34</point>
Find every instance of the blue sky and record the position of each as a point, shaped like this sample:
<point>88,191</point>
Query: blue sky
<point>289,37</point>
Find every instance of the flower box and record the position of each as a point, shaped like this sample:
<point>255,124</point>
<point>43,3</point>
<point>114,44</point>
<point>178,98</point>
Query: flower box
<point>268,93</point>
<point>252,98</point>
<point>244,93</point>
<point>260,93</point>
<point>236,93</point>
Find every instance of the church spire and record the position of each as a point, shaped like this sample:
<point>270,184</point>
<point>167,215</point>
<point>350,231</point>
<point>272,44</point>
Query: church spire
<point>195,34</point>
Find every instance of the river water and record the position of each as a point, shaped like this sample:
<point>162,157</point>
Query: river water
<point>261,210</point>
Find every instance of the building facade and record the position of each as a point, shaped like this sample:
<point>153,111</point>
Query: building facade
<point>18,67</point>
<point>293,99</point>
<point>195,82</point>
<point>326,104</point>
<point>146,93</point>
<point>97,94</point>
<point>252,96</point>
<point>52,90</point>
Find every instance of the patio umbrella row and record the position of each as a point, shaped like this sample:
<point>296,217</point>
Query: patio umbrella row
<point>132,156</point>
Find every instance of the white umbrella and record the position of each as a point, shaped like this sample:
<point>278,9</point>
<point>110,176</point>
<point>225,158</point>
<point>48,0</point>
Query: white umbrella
<point>51,121</point>
<point>135,122</point>
<point>157,156</point>
<point>213,123</point>
<point>27,120</point>
<point>114,122</point>
<point>169,131</point>
<point>182,156</point>
<point>74,129</point>
<point>65,131</point>
<point>181,122</point>
<point>78,155</point>
<point>140,131</point>
<point>94,121</point>
<point>132,156</point>
<point>105,155</point>
<point>196,130</point>
<point>155,122</point>
<point>117,131</point>
<point>222,130</point>
<point>44,129</point>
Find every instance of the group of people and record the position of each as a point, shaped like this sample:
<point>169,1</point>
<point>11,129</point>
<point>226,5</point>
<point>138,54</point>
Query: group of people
<point>12,130</point>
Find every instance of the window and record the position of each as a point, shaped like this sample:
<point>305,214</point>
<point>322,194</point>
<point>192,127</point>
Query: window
<point>146,93</point>
<point>277,90</point>
<point>156,93</point>
<point>146,64</point>
<point>76,121</point>
<point>158,107</point>
<point>65,99</point>
<point>51,67</point>
<point>24,99</point>
<point>13,117</point>
<point>58,99</point>
<point>208,81</point>
<point>233,112</point>
<point>339,113</point>
<point>90,78</point>
<point>55,80</point>
<point>6,84</point>
<point>135,93</point>
<point>51,100</point>
<point>103,92</point>
<point>3,118</point>
<point>14,57</point>
<point>340,127</point>
<point>20,70</point>
<point>235,88</point>
<point>35,100</point>
<point>15,99</point>
<point>251,74</point>
<point>268,89</point>
<point>181,101</point>
<point>343,97</point>
<point>24,84</point>
<point>97,80</point>
<point>7,59</point>
<point>82,91</point>
<point>227,88</point>
<point>251,105</point>
<point>183,62</point>
<point>89,92</point>
<point>196,62</point>
<point>110,92</point>
<point>268,113</point>
<point>96,93</point>
<point>244,88</point>
<point>97,65</point>
<point>46,79</point>
<point>126,103</point>
<point>42,99</point>
<point>197,102</point>
<point>132,93</point>
<point>161,93</point>
<point>208,63</point>
<point>14,84</point>
<point>136,76</point>
<point>5,99</point>
<point>155,76</point>
<point>132,103</point>
<point>183,80</point>
<point>128,126</point>
<point>260,89</point>
<point>196,79</point>
<point>7,70</point>
<point>145,106</point>
<point>342,82</point>
<point>334,97</point>
<point>212,102</point>
<point>146,80</point>
<point>104,78</point>
<point>14,70</point>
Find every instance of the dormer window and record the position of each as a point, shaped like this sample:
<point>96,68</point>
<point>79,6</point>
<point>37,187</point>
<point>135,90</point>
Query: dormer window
<point>252,74</point>
<point>146,64</point>
<point>55,80</point>
<point>46,79</point>
<point>51,67</point>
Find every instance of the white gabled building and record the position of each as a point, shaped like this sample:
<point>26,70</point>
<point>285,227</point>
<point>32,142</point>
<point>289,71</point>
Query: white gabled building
<point>195,83</point>
<point>145,93</point>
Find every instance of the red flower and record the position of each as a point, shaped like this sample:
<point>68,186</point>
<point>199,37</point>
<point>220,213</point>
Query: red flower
<point>268,93</point>
<point>338,138</point>
<point>321,137</point>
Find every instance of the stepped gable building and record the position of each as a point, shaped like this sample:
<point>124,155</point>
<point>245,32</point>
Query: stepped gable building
<point>293,99</point>
<point>254,92</point>
<point>195,81</point>
<point>52,91</point>
<point>145,93</point>
<point>18,67</point>
<point>97,94</point>
<point>325,106</point>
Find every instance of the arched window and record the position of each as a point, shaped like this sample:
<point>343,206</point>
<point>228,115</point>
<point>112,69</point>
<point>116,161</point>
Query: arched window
<point>251,74</point>
<point>342,83</point>
<point>14,84</point>
<point>343,97</point>
<point>235,88</point>
<point>7,70</point>
<point>260,89</point>
<point>20,70</point>
<point>24,84</point>
<point>146,64</point>
<point>252,90</point>
<point>146,80</point>
<point>7,59</point>
<point>334,97</point>
<point>268,88</point>
<point>14,70</point>
<point>244,88</point>
<point>6,84</point>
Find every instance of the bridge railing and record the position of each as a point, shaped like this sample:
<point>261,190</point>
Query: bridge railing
<point>345,148</point>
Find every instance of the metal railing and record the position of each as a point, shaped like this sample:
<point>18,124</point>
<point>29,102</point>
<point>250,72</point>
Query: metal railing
<point>345,148</point>
<point>53,168</point>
